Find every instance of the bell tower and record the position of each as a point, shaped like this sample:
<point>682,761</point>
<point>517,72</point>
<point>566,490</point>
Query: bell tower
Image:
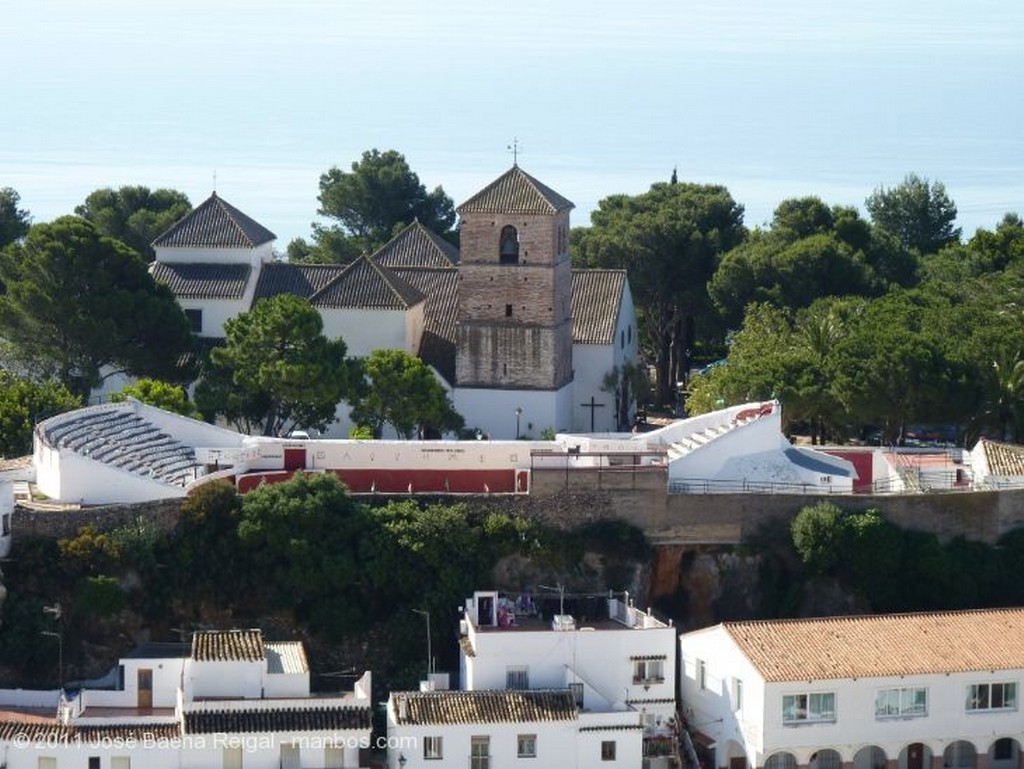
<point>514,320</point>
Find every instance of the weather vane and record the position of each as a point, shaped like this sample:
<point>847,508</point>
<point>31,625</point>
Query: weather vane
<point>514,149</point>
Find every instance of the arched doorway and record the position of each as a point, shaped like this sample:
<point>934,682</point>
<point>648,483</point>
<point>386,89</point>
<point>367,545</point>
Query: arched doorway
<point>960,755</point>
<point>732,756</point>
<point>780,761</point>
<point>825,759</point>
<point>916,755</point>
<point>1004,753</point>
<point>870,757</point>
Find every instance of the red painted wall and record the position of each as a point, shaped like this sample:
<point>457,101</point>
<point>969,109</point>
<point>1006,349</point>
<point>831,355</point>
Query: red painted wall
<point>862,463</point>
<point>414,481</point>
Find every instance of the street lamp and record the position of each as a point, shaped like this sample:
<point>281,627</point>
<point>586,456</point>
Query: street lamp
<point>430,656</point>
<point>56,612</point>
<point>519,413</point>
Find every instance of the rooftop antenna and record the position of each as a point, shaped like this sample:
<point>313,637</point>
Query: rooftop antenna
<point>215,182</point>
<point>514,149</point>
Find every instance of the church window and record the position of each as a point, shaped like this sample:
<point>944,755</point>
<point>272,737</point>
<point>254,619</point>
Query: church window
<point>509,245</point>
<point>508,311</point>
<point>622,339</point>
<point>195,320</point>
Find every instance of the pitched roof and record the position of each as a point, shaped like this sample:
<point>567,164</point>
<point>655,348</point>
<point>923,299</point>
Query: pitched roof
<point>883,645</point>
<point>228,646</point>
<point>440,286</point>
<point>417,246</point>
<point>515,192</point>
<point>1003,459</point>
<point>364,283</point>
<point>596,301</point>
<point>21,732</point>
<point>484,707</point>
<point>300,279</point>
<point>196,280</point>
<point>286,657</point>
<point>215,223</point>
<point>284,719</point>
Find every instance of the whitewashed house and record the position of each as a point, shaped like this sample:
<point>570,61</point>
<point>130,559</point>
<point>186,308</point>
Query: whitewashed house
<point>595,688</point>
<point>232,700</point>
<point>905,691</point>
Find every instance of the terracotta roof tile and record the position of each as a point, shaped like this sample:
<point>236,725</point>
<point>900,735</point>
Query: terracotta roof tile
<point>364,283</point>
<point>515,192</point>
<point>1004,459</point>
<point>286,719</point>
<point>228,646</point>
<point>484,707</point>
<point>883,645</point>
<point>300,279</point>
<point>417,246</point>
<point>195,280</point>
<point>440,286</point>
<point>11,731</point>
<point>596,301</point>
<point>215,223</point>
<point>286,657</point>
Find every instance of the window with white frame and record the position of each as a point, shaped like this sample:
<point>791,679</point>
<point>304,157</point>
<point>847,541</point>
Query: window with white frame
<point>526,746</point>
<point>902,702</point>
<point>702,675</point>
<point>737,694</point>
<point>648,671</point>
<point>433,748</point>
<point>517,677</point>
<point>808,708</point>
<point>995,696</point>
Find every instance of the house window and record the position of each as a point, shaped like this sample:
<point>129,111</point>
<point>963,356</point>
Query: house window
<point>702,675</point>
<point>6,519</point>
<point>526,746</point>
<point>120,762</point>
<point>195,320</point>
<point>94,762</point>
<point>629,333</point>
<point>904,702</point>
<point>577,694</point>
<point>1000,696</point>
<point>517,677</point>
<point>608,750</point>
<point>1002,750</point>
<point>508,311</point>
<point>479,753</point>
<point>46,762</point>
<point>432,748</point>
<point>648,671</point>
<point>508,248</point>
<point>622,339</point>
<point>801,708</point>
<point>737,694</point>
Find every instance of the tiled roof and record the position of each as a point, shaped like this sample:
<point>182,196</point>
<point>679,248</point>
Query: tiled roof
<point>285,719</point>
<point>195,280</point>
<point>883,645</point>
<point>417,246</point>
<point>228,646</point>
<point>286,657</point>
<point>300,279</point>
<point>515,192</point>
<point>596,301</point>
<point>484,707</point>
<point>363,283</point>
<point>20,732</point>
<point>440,286</point>
<point>215,223</point>
<point>1003,459</point>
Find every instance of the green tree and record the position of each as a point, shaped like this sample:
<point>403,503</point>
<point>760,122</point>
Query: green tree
<point>134,214</point>
<point>80,307</point>
<point>283,372</point>
<point>402,391</point>
<point>818,536</point>
<point>918,212</point>
<point>14,221</point>
<point>163,395</point>
<point>669,239</point>
<point>368,204</point>
<point>23,403</point>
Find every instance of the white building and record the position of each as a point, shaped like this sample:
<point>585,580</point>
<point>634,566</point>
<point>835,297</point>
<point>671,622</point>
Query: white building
<point>568,690</point>
<point>910,691</point>
<point>233,700</point>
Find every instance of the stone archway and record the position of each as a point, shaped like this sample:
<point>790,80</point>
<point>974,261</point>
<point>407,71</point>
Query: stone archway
<point>825,759</point>
<point>869,757</point>
<point>780,761</point>
<point>916,755</point>
<point>960,755</point>
<point>1004,753</point>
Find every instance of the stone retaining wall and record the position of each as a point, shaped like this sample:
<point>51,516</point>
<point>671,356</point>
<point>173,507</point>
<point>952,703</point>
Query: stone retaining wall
<point>62,524</point>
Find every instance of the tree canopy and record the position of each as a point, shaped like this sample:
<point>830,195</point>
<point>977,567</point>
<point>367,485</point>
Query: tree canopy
<point>163,395</point>
<point>277,370</point>
<point>14,221</point>
<point>918,212</point>
<point>669,239</point>
<point>134,214</point>
<point>23,403</point>
<point>80,306</point>
<point>402,391</point>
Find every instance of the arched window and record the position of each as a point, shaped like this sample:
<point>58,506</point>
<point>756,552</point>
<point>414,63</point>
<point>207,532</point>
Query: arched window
<point>508,247</point>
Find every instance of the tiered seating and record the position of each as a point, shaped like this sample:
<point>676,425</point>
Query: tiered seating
<point>122,439</point>
<point>694,441</point>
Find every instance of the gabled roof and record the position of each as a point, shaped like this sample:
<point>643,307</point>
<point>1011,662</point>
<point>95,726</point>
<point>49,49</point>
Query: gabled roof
<point>484,707</point>
<point>197,280</point>
<point>364,283</point>
<point>215,223</point>
<point>228,646</point>
<point>1003,459</point>
<point>596,302</point>
<point>417,246</point>
<point>883,645</point>
<point>300,279</point>
<point>286,657</point>
<point>282,719</point>
<point>515,192</point>
<point>440,285</point>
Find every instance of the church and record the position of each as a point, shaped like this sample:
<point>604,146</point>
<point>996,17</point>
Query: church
<point>524,343</point>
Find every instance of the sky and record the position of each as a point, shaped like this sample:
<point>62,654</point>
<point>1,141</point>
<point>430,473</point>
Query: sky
<point>772,98</point>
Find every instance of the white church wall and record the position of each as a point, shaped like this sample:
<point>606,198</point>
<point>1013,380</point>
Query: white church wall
<point>365,330</point>
<point>494,411</point>
<point>591,363</point>
<point>252,256</point>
